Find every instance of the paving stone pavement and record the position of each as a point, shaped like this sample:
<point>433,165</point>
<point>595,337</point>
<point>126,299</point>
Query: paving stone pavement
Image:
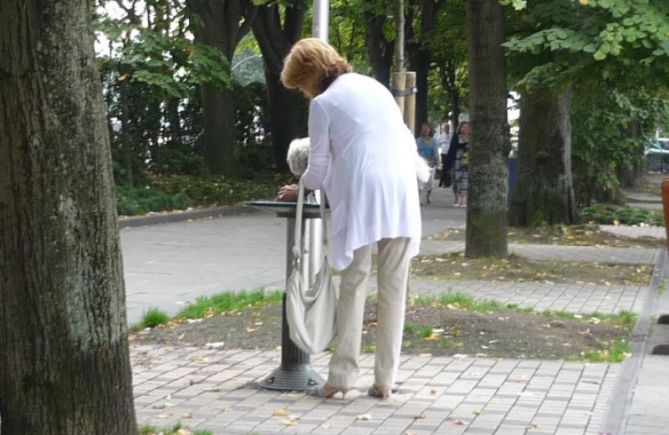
<point>574,298</point>
<point>635,231</point>
<point>556,252</point>
<point>215,390</point>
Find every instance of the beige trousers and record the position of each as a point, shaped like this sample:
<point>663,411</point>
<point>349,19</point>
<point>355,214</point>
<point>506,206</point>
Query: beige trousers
<point>393,273</point>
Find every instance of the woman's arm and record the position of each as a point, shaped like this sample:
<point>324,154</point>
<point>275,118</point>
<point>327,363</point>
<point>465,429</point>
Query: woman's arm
<point>319,150</point>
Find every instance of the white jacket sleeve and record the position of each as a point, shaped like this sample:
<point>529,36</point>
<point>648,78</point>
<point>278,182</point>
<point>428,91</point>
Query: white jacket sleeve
<point>319,150</point>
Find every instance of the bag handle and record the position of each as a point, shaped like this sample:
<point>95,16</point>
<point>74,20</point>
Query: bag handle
<point>298,249</point>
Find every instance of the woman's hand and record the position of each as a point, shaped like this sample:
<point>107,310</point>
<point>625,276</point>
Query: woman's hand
<point>288,193</point>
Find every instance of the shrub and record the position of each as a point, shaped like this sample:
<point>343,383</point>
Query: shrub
<point>612,214</point>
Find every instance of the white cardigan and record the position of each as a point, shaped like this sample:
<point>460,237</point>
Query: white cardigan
<point>362,155</point>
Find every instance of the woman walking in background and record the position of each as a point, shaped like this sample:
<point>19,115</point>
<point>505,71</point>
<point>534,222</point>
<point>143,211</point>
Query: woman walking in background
<point>458,158</point>
<point>362,155</point>
<point>429,150</point>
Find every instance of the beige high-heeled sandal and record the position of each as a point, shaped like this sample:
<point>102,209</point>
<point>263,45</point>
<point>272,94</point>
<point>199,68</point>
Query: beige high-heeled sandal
<point>327,391</point>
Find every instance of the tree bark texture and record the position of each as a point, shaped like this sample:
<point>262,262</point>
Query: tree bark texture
<point>275,38</point>
<point>449,82</point>
<point>490,143</point>
<point>126,142</point>
<point>224,23</point>
<point>379,50</point>
<point>545,192</point>
<point>420,58</point>
<point>64,363</point>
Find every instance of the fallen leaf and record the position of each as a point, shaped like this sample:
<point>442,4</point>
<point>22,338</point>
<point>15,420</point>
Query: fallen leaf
<point>433,391</point>
<point>250,330</point>
<point>460,422</point>
<point>281,413</point>
<point>187,415</point>
<point>364,417</point>
<point>420,416</point>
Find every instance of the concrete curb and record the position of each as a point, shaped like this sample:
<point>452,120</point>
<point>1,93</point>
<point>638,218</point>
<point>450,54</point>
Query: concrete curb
<point>181,216</point>
<point>621,397</point>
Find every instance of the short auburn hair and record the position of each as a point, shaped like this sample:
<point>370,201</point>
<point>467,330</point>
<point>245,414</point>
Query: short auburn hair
<point>312,65</point>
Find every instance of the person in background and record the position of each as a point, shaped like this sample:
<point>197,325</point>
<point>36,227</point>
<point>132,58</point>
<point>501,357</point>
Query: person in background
<point>458,159</point>
<point>362,155</point>
<point>444,143</point>
<point>429,150</point>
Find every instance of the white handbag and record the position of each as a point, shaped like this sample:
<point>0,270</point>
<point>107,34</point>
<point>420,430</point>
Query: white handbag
<point>310,310</point>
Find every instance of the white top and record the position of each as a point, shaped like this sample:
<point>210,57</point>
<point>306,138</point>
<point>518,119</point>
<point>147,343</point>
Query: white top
<point>363,156</point>
<point>444,142</point>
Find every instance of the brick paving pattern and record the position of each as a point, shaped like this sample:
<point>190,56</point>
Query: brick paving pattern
<point>574,298</point>
<point>215,390</point>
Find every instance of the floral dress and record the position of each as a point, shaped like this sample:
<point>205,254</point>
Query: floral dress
<point>461,169</point>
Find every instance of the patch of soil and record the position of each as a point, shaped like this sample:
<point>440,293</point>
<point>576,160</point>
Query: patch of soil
<point>436,330</point>
<point>456,266</point>
<point>571,235</point>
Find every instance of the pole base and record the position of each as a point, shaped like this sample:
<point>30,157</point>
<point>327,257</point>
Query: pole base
<point>294,377</point>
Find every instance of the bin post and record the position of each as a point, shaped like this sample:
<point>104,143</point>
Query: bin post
<point>294,372</point>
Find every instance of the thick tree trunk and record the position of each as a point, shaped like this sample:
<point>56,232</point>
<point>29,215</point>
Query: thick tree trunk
<point>421,65</point>
<point>379,50</point>
<point>126,143</point>
<point>420,58</point>
<point>490,144</point>
<point>225,22</point>
<point>220,145</point>
<point>286,125</point>
<point>275,38</point>
<point>64,364</point>
<point>544,193</point>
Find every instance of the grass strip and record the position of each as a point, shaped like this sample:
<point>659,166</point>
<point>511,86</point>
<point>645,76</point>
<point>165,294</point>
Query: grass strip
<point>177,429</point>
<point>207,306</point>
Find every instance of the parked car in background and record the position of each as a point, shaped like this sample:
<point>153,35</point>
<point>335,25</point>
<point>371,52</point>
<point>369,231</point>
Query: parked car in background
<point>656,155</point>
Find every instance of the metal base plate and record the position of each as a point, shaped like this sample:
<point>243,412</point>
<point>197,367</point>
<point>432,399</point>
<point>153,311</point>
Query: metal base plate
<point>298,377</point>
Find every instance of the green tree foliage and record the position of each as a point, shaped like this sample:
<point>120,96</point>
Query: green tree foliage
<point>150,73</point>
<point>151,70</point>
<point>607,140</point>
<point>614,54</point>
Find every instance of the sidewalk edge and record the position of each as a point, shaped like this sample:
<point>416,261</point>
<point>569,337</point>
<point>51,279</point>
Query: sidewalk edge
<point>181,216</point>
<point>621,396</point>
